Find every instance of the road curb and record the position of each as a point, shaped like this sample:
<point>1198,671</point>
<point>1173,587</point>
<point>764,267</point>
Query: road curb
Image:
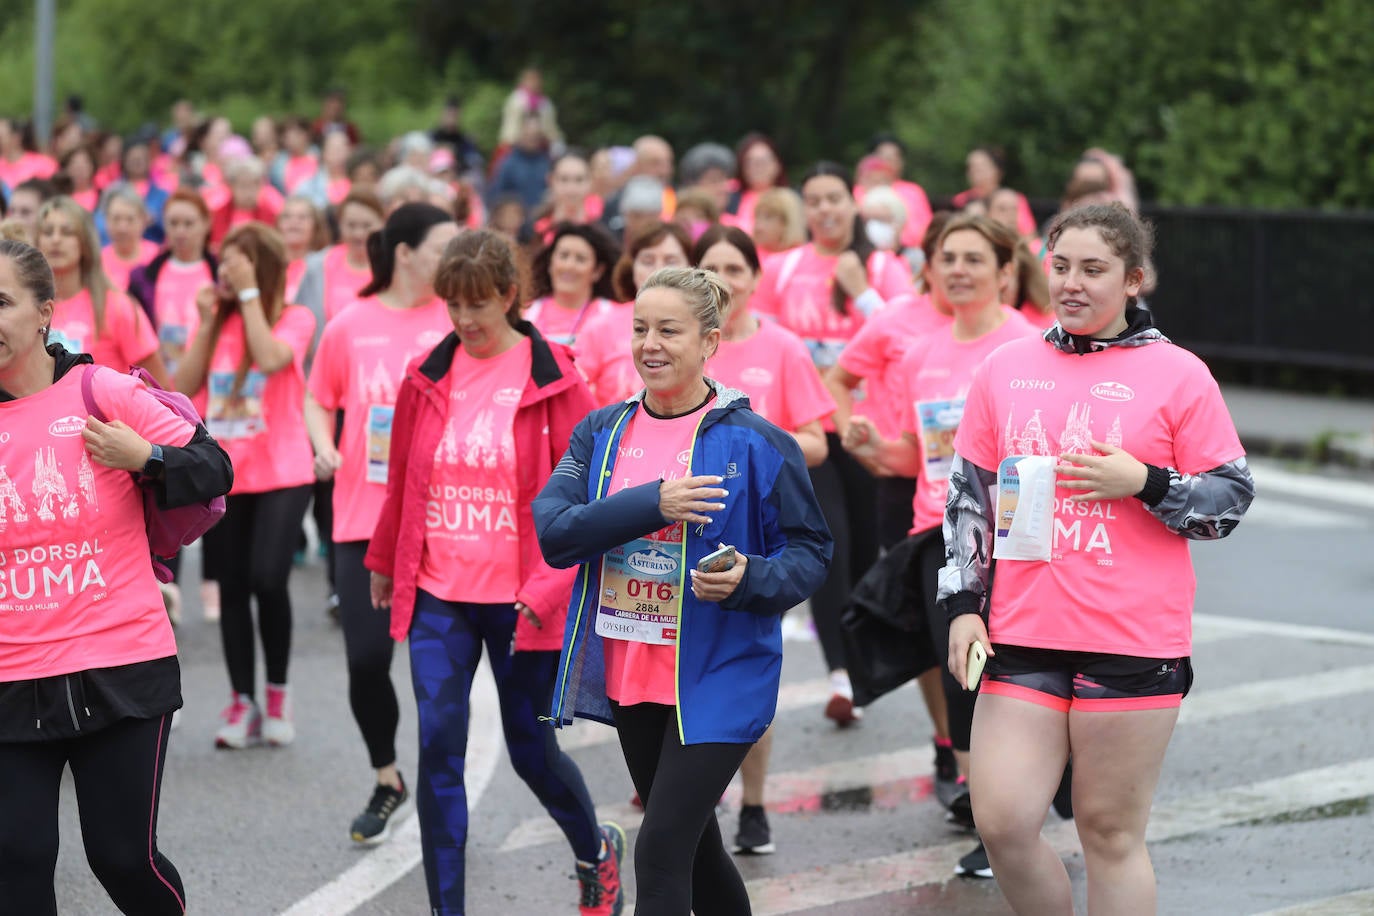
<point>1352,453</point>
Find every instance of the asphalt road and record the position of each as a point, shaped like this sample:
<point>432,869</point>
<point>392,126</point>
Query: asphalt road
<point>1265,803</point>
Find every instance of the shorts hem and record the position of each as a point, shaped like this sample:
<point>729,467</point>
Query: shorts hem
<point>1026,694</point>
<point>1128,704</point>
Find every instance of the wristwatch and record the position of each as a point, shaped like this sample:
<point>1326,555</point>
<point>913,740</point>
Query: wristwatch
<point>155,468</point>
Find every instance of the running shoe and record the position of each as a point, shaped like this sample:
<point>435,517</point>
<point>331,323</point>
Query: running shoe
<point>278,730</point>
<point>841,709</point>
<point>975,864</point>
<point>331,606</point>
<point>242,724</point>
<point>386,808</point>
<point>1063,799</point>
<point>961,806</point>
<point>947,786</point>
<point>754,838</point>
<point>601,894</point>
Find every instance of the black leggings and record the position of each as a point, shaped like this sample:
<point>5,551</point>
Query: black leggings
<point>118,776</point>
<point>253,546</point>
<point>847,495</point>
<point>368,646</point>
<point>681,863</point>
<point>892,509</point>
<point>322,508</point>
<point>958,701</point>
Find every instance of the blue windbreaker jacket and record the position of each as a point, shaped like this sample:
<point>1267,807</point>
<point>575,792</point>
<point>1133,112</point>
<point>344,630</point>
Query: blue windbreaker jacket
<point>729,654</point>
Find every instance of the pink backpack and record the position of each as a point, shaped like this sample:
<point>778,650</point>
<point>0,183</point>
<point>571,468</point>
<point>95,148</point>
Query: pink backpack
<point>168,529</point>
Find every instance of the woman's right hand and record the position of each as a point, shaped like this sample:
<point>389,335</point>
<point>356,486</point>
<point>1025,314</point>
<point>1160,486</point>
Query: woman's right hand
<point>326,463</point>
<point>381,591</point>
<point>207,302</point>
<point>964,631</point>
<point>861,436</point>
<point>685,499</point>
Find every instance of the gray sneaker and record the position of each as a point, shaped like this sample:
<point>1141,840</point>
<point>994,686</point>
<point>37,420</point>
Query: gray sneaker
<point>387,807</point>
<point>754,838</point>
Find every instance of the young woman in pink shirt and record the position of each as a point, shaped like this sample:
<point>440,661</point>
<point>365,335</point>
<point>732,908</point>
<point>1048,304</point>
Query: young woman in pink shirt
<point>603,353</point>
<point>78,173</point>
<point>570,281</point>
<point>1109,449</point>
<point>824,292</point>
<point>480,422</point>
<point>570,197</point>
<point>88,670</point>
<point>341,270</point>
<point>245,369</point>
<point>19,158</point>
<point>304,231</point>
<point>985,168</point>
<point>126,219</point>
<point>357,371</point>
<point>91,316</point>
<point>759,167</point>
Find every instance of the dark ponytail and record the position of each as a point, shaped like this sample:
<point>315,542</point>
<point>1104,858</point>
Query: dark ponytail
<point>858,236</point>
<point>408,224</point>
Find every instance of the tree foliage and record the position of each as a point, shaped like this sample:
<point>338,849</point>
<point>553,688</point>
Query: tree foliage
<point>1250,102</point>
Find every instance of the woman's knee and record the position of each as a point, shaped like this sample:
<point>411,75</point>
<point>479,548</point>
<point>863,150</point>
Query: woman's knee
<point>1003,822</point>
<point>1107,831</point>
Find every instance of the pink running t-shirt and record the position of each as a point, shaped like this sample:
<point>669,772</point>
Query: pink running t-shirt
<point>174,305</point>
<point>295,272</point>
<point>604,357</point>
<point>1118,581</point>
<point>796,291</point>
<point>774,368</point>
<point>931,383</point>
<point>127,340</point>
<point>359,365</point>
<point>76,583</point>
<point>118,269</point>
<point>28,165</point>
<point>472,539</point>
<point>341,282</point>
<point>564,325</point>
<point>299,169</point>
<point>262,425</point>
<point>645,578</point>
<point>877,350</point>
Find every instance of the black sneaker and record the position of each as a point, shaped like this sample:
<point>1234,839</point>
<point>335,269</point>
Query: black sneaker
<point>961,806</point>
<point>975,864</point>
<point>1063,799</point>
<point>753,838</point>
<point>947,786</point>
<point>386,807</point>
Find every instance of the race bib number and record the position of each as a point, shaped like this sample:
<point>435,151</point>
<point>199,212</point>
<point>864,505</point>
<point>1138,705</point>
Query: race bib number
<point>171,340</point>
<point>230,415</point>
<point>378,442</point>
<point>1025,508</point>
<point>939,422</point>
<point>640,596</point>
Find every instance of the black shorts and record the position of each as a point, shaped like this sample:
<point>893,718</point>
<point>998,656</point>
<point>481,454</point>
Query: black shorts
<point>1086,681</point>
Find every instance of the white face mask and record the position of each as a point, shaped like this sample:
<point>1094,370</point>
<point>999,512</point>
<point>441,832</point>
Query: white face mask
<point>881,234</point>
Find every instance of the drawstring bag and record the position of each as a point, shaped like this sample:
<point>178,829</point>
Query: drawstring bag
<point>169,529</point>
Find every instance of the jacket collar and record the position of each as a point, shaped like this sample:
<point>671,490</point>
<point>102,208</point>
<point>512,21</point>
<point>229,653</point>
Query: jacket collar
<point>544,367</point>
<point>63,362</point>
<point>1140,331</point>
<point>727,398</point>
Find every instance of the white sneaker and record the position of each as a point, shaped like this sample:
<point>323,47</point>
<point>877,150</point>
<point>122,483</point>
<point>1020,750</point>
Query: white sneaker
<point>242,724</point>
<point>278,730</point>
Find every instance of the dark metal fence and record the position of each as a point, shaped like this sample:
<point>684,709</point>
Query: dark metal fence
<point>1267,288</point>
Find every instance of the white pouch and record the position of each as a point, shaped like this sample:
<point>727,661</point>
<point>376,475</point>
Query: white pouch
<point>1025,508</point>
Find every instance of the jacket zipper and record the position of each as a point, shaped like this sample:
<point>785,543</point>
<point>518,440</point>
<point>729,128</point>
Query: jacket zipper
<point>682,599</point>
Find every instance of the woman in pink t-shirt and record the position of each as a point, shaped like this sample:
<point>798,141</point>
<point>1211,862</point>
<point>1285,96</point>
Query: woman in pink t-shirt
<point>126,219</point>
<point>342,269</point>
<point>759,167</point>
<point>570,197</point>
<point>824,292</point>
<point>480,423</point>
<point>92,317</point>
<point>570,281</point>
<point>1109,449</point>
<point>304,230</point>
<point>19,158</point>
<point>603,351</point>
<point>88,668</point>
<point>986,166</point>
<point>78,174</point>
<point>244,369</point>
<point>357,372</point>
<point>779,222</point>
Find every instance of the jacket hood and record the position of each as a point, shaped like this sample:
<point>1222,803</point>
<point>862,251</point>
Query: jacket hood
<point>727,398</point>
<point>1140,331</point>
<point>64,361</point>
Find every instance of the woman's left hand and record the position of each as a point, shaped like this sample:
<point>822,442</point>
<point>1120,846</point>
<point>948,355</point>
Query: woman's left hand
<point>718,586</point>
<point>238,272</point>
<point>530,616</point>
<point>1115,474</point>
<point>851,274</point>
<point>116,445</point>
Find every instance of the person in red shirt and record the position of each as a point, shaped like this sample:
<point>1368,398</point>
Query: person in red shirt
<point>480,422</point>
<point>245,371</point>
<point>80,613</point>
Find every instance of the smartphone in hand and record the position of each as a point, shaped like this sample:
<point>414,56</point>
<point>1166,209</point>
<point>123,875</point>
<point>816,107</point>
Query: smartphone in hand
<point>977,658</point>
<point>717,561</point>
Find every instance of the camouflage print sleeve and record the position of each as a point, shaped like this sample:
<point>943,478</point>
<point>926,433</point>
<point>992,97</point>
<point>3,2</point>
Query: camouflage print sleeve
<point>1206,506</point>
<point>968,539</point>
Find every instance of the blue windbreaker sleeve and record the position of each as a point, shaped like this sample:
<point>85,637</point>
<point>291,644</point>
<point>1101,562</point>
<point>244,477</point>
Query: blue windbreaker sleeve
<point>797,543</point>
<point>573,529</point>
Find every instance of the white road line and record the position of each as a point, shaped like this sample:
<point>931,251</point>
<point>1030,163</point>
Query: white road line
<point>1284,513</point>
<point>1358,903</point>
<point>392,861</point>
<point>1205,706</point>
<point>1286,630</point>
<point>1354,493</point>
<point>849,881</point>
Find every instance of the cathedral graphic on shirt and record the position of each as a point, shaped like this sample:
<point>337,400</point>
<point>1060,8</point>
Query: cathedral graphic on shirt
<point>479,448</point>
<point>1076,439</point>
<point>10,501</point>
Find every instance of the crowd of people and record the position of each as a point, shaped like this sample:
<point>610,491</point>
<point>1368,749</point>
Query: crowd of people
<point>609,415</point>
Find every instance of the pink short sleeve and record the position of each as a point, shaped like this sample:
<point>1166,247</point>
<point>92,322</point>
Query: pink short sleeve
<point>296,328</point>
<point>130,327</point>
<point>976,439</point>
<point>1204,433</point>
<point>125,398</point>
<point>329,372</point>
